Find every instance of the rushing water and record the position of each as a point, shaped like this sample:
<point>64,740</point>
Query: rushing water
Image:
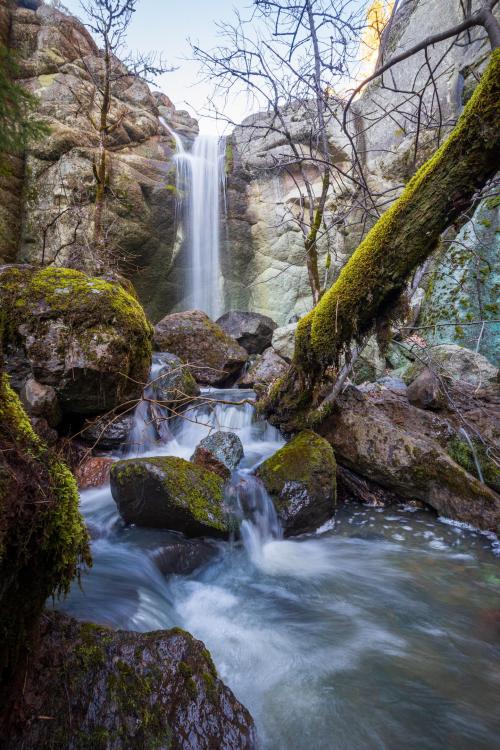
<point>201,182</point>
<point>379,631</point>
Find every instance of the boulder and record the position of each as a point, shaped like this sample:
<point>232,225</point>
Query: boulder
<point>173,384</point>
<point>264,371</point>
<point>108,433</point>
<point>93,472</point>
<point>86,338</point>
<point>301,480</point>
<point>41,401</point>
<point>213,357</point>
<point>252,331</point>
<point>225,447</point>
<point>455,363</point>
<point>144,690</point>
<point>203,457</point>
<point>170,493</point>
<point>382,437</point>
<point>183,556</point>
<point>425,391</point>
<point>370,364</point>
<point>283,341</point>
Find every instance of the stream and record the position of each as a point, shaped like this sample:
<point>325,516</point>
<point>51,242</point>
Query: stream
<point>378,631</point>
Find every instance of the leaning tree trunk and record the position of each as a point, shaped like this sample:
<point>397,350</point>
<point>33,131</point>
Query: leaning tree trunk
<point>406,234</point>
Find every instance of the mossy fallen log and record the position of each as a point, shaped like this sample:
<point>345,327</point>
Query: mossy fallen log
<point>406,234</point>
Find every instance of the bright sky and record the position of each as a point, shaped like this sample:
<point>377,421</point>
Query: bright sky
<point>164,26</point>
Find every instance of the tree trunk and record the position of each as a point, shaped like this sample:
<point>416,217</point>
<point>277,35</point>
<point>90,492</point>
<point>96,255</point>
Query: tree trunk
<point>406,234</point>
<point>101,167</point>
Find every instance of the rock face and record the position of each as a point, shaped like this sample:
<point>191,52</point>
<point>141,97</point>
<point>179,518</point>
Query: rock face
<point>213,357</point>
<point>170,493</point>
<point>60,63</point>
<point>225,447</point>
<point>86,338</point>
<point>126,690</point>
<point>264,371</point>
<point>41,401</point>
<point>413,452</point>
<point>252,331</point>
<point>301,479</point>
<point>463,286</point>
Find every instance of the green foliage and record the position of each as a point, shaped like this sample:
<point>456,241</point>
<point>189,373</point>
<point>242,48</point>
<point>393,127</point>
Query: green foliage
<point>17,125</point>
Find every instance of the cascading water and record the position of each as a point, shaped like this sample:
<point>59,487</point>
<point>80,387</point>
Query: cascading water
<point>361,636</point>
<point>201,185</point>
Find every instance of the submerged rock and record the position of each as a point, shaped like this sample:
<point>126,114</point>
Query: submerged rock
<point>183,557</point>
<point>213,357</point>
<point>264,371</point>
<point>100,688</point>
<point>225,447</point>
<point>170,493</point>
<point>251,330</point>
<point>301,479</point>
<point>86,338</point>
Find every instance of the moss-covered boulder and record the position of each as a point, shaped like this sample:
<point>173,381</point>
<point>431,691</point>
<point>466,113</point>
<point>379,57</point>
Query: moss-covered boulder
<point>170,493</point>
<point>43,539</point>
<point>92,687</point>
<point>213,357</point>
<point>301,479</point>
<point>173,384</point>
<point>87,338</point>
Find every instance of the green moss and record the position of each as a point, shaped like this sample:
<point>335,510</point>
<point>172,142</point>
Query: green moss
<point>492,203</point>
<point>186,485</point>
<point>406,233</point>
<point>460,451</point>
<point>306,457</point>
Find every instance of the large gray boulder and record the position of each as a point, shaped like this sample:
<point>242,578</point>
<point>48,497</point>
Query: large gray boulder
<point>301,480</point>
<point>144,690</point>
<point>173,384</point>
<point>455,364</point>
<point>251,330</point>
<point>170,493</point>
<point>213,357</point>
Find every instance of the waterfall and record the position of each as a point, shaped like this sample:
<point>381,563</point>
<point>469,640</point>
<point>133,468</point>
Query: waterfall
<point>201,185</point>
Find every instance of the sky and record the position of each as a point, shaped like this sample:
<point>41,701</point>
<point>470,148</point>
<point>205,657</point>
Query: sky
<point>164,26</point>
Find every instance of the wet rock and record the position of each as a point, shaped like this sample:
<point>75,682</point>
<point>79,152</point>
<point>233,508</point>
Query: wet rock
<point>225,447</point>
<point>284,341</point>
<point>425,391</point>
<point>383,438</point>
<point>170,493</point>
<point>108,433</point>
<point>353,488</point>
<point>93,472</point>
<point>300,479</point>
<point>456,364</point>
<point>203,457</point>
<point>213,357</point>
<point>174,385</point>
<point>86,338</point>
<point>41,401</point>
<point>264,371</point>
<point>183,557</point>
<point>145,690</point>
<point>251,330</point>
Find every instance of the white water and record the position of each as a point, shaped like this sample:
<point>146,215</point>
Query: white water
<point>201,185</point>
<point>378,633</point>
